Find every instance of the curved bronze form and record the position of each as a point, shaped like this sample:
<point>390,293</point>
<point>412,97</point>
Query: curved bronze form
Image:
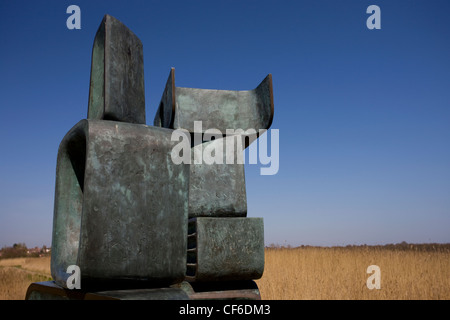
<point>218,109</point>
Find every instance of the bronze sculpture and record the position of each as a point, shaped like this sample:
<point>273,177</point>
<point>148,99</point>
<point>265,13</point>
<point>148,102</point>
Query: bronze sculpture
<point>136,224</point>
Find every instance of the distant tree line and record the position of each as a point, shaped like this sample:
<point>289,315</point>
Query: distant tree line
<point>19,250</point>
<point>403,246</point>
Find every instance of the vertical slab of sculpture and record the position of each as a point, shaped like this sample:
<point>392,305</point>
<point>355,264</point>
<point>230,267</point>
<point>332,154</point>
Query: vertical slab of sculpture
<point>120,203</point>
<point>116,89</point>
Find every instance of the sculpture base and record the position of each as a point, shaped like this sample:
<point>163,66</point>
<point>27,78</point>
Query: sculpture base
<point>245,290</point>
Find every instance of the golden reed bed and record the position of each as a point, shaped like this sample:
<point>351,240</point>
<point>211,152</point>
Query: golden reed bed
<point>313,273</point>
<point>310,273</point>
<point>18,273</point>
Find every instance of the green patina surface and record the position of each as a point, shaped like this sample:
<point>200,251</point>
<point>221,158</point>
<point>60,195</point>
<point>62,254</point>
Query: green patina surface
<point>224,249</point>
<point>125,217</point>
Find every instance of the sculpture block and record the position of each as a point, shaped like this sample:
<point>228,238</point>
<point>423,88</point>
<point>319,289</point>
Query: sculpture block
<point>121,205</point>
<point>116,89</point>
<point>218,109</point>
<point>221,249</point>
<point>217,190</point>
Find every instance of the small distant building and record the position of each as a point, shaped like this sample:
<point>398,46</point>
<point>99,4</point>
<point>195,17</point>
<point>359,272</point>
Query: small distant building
<point>34,250</point>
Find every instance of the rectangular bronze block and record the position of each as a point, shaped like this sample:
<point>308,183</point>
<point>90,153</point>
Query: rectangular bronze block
<point>241,290</point>
<point>121,205</point>
<point>50,291</point>
<point>225,249</point>
<point>217,189</point>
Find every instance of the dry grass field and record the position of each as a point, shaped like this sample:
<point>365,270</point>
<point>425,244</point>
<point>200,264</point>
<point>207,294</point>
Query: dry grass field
<point>309,273</point>
<point>18,273</point>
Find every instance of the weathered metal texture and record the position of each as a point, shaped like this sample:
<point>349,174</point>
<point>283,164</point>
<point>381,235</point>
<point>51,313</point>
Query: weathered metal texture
<point>166,110</point>
<point>139,294</point>
<point>223,249</point>
<point>236,290</point>
<point>218,109</point>
<point>217,189</point>
<point>242,290</point>
<point>121,205</point>
<point>49,290</point>
<point>117,74</point>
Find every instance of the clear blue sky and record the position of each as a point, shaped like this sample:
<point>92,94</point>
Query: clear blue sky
<point>363,115</point>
